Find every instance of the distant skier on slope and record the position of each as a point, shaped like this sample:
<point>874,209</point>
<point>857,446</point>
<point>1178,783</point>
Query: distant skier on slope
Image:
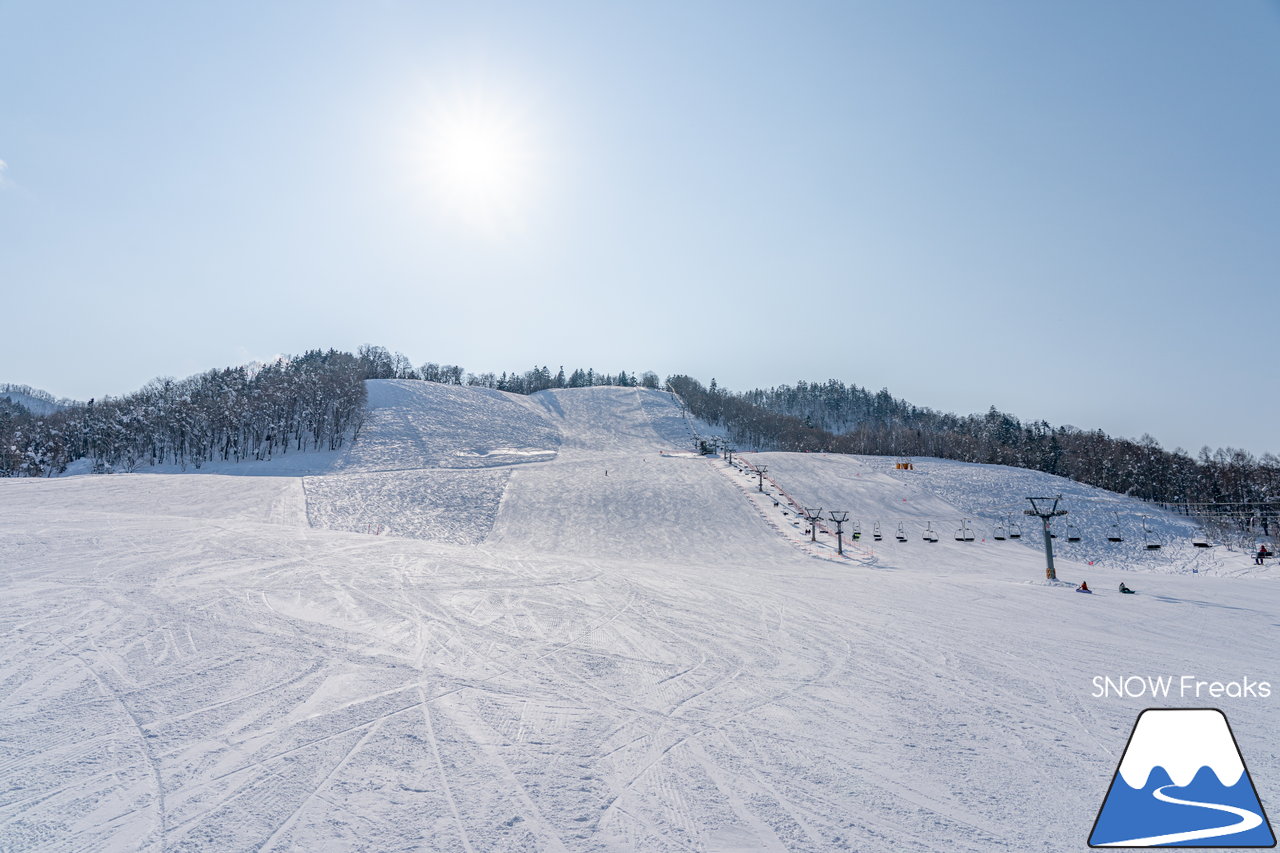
<point>1084,587</point>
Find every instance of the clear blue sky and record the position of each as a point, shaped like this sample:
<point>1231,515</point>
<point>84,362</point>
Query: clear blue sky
<point>1070,211</point>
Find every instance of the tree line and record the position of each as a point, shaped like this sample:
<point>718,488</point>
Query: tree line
<point>308,402</point>
<point>382,364</point>
<point>838,418</point>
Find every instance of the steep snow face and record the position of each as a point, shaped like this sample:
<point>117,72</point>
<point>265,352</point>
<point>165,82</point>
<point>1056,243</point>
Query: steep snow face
<point>608,419</point>
<point>431,462</point>
<point>1182,742</point>
<point>413,425</point>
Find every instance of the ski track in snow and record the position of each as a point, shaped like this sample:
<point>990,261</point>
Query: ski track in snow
<point>534,654</point>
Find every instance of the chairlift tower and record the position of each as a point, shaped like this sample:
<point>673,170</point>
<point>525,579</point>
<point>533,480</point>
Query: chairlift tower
<point>761,470</point>
<point>813,516</point>
<point>839,518</point>
<point>1042,508</point>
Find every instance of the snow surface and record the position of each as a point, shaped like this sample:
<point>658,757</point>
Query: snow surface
<point>387,649</point>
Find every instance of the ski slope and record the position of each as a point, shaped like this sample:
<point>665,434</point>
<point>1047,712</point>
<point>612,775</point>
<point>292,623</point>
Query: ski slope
<point>988,500</point>
<point>461,633</point>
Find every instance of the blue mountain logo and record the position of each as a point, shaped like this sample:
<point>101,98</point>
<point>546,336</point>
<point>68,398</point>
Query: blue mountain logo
<point>1182,783</point>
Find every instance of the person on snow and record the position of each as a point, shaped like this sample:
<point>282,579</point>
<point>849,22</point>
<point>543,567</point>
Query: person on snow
<point>1263,553</point>
<point>1124,589</point>
<point>1084,587</point>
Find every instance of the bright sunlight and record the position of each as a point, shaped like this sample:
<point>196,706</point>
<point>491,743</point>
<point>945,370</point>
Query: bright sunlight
<point>481,161</point>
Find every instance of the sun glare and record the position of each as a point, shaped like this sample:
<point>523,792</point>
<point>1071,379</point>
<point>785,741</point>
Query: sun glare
<point>481,162</point>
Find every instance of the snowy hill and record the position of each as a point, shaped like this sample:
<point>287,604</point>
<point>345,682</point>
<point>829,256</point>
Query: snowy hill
<point>33,399</point>
<point>540,623</point>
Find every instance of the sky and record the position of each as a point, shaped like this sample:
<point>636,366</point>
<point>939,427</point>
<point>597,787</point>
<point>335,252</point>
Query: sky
<point>1069,211</point>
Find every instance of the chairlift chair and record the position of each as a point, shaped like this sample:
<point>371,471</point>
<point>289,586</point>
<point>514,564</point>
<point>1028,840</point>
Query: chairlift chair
<point>856,532</point>
<point>999,534</point>
<point>1200,542</point>
<point>1152,544</point>
<point>1015,531</point>
<point>1114,535</point>
<point>964,533</point>
<point>1073,533</point>
<point>929,535</point>
<point>875,532</point>
<point>901,535</point>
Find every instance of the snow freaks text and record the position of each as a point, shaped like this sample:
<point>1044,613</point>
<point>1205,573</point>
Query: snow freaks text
<point>1182,686</point>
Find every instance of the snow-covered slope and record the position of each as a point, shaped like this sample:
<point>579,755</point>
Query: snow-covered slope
<point>534,655</point>
<point>431,462</point>
<point>613,493</point>
<point>33,400</point>
<point>427,425</point>
<point>944,496</point>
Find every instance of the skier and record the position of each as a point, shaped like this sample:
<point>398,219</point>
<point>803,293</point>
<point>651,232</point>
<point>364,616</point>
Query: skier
<point>1124,589</point>
<point>1263,553</point>
<point>1084,587</point>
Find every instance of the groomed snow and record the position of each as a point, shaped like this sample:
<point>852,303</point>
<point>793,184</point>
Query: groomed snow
<point>537,655</point>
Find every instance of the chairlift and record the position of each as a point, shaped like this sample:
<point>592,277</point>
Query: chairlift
<point>964,533</point>
<point>875,532</point>
<point>856,532</point>
<point>1073,533</point>
<point>1200,542</point>
<point>999,535</point>
<point>1015,531</point>
<point>1114,535</point>
<point>1152,544</point>
<point>901,535</point>
<point>929,535</point>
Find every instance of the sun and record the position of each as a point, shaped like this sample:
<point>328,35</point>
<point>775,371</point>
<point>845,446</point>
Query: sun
<point>481,160</point>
